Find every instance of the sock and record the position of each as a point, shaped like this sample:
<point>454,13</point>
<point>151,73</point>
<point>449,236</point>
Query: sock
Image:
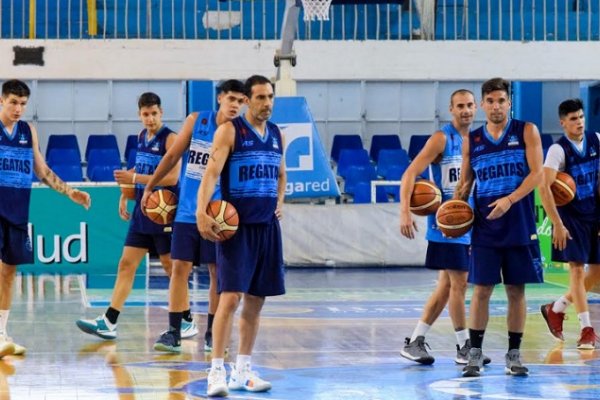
<point>461,336</point>
<point>217,363</point>
<point>3,321</point>
<point>175,322</point>
<point>242,362</point>
<point>112,315</point>
<point>514,340</point>
<point>209,322</point>
<point>476,337</point>
<point>561,305</point>
<point>584,319</point>
<point>420,330</point>
<point>187,315</point>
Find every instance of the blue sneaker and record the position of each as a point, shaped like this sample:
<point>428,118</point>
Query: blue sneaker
<point>168,342</point>
<point>188,329</point>
<point>99,327</point>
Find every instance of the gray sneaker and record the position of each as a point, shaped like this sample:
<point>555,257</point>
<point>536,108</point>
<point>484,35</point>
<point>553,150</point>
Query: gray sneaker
<point>416,351</point>
<point>475,363</point>
<point>462,354</point>
<point>513,364</point>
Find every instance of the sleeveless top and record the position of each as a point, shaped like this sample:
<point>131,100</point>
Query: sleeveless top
<point>500,166</point>
<point>251,173</point>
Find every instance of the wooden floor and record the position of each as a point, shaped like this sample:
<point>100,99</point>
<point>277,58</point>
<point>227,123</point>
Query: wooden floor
<point>336,335</point>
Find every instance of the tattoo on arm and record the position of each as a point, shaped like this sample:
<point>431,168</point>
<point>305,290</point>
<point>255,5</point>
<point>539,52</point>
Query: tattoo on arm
<point>52,180</point>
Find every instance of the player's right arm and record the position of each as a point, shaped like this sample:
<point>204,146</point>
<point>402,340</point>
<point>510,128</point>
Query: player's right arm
<point>222,147</point>
<point>465,182</point>
<point>171,157</point>
<point>434,148</point>
<point>555,160</point>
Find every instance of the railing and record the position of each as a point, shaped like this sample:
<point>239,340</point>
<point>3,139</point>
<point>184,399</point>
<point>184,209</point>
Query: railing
<point>518,20</point>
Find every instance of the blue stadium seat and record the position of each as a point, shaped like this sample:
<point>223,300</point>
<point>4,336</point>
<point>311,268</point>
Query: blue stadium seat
<point>63,156</point>
<point>547,141</point>
<point>131,159</point>
<point>132,142</point>
<point>66,141</point>
<point>68,172</point>
<point>391,158</point>
<point>104,160</point>
<point>416,144</point>
<point>349,157</point>
<point>358,173</point>
<point>107,141</point>
<point>344,142</point>
<point>362,193</point>
<point>380,142</point>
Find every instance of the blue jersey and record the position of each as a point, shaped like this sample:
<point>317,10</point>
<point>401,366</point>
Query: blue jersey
<point>583,168</point>
<point>16,173</point>
<point>251,173</point>
<point>197,158</point>
<point>148,156</point>
<point>500,166</point>
<point>445,175</point>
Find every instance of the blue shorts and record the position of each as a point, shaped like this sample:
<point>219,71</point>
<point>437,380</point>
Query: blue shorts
<point>252,261</point>
<point>453,256</point>
<point>15,244</point>
<point>161,242</point>
<point>188,245</point>
<point>583,248</point>
<point>514,265</point>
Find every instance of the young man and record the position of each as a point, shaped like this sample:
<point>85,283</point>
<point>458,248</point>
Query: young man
<point>21,157</point>
<point>153,142</point>
<point>247,154</point>
<point>575,225</point>
<point>449,256</point>
<point>504,158</point>
<point>188,248</point>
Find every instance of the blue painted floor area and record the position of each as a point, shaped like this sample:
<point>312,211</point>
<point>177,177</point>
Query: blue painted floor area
<point>336,335</point>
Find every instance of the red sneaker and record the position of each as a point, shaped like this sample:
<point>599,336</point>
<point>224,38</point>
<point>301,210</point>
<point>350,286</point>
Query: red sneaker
<point>588,338</point>
<point>554,320</point>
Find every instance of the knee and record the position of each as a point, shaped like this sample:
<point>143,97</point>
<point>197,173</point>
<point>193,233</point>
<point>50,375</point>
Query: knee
<point>127,267</point>
<point>229,302</point>
<point>180,271</point>
<point>482,293</point>
<point>459,288</point>
<point>8,273</point>
<point>515,293</point>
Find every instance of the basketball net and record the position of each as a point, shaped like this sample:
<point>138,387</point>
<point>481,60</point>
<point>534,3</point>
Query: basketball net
<point>316,10</point>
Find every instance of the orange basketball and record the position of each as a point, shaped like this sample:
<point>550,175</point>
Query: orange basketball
<point>128,190</point>
<point>454,218</point>
<point>227,217</point>
<point>563,189</point>
<point>161,206</point>
<point>426,197</point>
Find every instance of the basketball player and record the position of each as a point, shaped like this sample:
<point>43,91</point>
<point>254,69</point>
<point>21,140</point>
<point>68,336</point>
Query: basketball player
<point>575,225</point>
<point>449,256</point>
<point>153,142</point>
<point>504,158</point>
<point>188,248</point>
<point>20,157</point>
<point>247,154</point>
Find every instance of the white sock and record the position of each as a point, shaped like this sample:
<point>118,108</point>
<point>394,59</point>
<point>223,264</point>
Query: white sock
<point>242,361</point>
<point>584,319</point>
<point>3,321</point>
<point>462,337</point>
<point>420,330</point>
<point>217,363</point>
<point>561,305</point>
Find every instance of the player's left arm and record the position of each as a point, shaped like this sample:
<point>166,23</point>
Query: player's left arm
<point>281,182</point>
<point>534,157</point>
<point>47,176</point>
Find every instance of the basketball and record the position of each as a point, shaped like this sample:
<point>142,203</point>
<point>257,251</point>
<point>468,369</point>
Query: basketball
<point>563,189</point>
<point>128,190</point>
<point>161,206</point>
<point>454,218</point>
<point>227,217</point>
<point>426,197</point>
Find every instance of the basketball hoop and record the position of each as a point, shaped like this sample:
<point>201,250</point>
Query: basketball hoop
<point>316,10</point>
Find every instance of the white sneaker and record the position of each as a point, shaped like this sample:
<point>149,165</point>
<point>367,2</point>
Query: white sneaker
<point>248,380</point>
<point>217,383</point>
<point>19,350</point>
<point>188,329</point>
<point>7,348</point>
